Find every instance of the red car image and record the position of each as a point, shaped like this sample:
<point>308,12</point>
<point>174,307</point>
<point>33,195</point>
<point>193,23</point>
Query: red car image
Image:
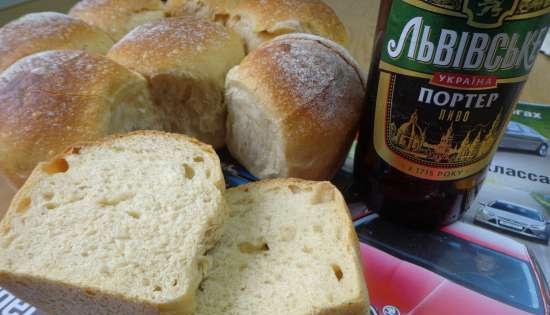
<point>460,269</point>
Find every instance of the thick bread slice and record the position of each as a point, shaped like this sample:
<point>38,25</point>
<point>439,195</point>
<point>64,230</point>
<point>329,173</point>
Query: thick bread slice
<point>289,247</point>
<point>116,227</point>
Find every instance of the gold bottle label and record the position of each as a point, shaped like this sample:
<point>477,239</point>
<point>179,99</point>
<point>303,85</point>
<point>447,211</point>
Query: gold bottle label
<point>449,79</point>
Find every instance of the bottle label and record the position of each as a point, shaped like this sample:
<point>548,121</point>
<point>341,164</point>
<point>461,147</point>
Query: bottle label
<point>450,75</point>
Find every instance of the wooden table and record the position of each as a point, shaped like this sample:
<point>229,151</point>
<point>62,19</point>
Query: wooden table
<point>359,16</point>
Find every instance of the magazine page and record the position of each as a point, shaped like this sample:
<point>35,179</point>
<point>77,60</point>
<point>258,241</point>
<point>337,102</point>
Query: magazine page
<point>515,199</point>
<point>11,305</point>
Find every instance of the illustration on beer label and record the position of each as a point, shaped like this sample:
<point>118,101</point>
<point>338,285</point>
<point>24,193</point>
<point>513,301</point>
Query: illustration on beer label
<point>450,74</point>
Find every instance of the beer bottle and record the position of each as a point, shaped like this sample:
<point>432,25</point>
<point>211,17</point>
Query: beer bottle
<point>444,80</point>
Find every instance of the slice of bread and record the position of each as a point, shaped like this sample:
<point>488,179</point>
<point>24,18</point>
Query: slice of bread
<point>289,247</point>
<point>119,226</point>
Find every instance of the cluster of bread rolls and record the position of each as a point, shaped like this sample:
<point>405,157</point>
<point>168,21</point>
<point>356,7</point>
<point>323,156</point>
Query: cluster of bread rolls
<point>288,109</point>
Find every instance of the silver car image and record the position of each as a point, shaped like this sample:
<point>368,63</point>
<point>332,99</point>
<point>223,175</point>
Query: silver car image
<point>521,137</point>
<point>511,217</point>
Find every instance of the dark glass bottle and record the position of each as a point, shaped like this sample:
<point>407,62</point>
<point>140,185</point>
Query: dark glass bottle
<point>444,79</point>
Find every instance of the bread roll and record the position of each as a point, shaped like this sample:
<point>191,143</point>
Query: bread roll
<point>119,226</point>
<point>259,21</point>
<point>294,105</point>
<point>118,17</point>
<point>38,32</point>
<point>52,99</point>
<point>185,60</point>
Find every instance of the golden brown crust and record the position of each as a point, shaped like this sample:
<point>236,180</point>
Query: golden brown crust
<point>115,16</point>
<point>360,306</point>
<point>267,16</point>
<point>75,148</point>
<point>183,45</point>
<point>315,95</point>
<point>26,287</point>
<point>37,32</point>
<point>51,99</point>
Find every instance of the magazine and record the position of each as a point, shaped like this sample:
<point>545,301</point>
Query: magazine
<point>10,304</point>
<point>515,199</point>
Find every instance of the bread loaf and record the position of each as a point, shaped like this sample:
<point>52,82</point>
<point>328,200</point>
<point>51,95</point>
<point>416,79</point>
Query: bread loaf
<point>38,32</point>
<point>118,17</point>
<point>289,247</point>
<point>294,105</point>
<point>185,60</point>
<point>259,21</point>
<point>120,226</point>
<point>52,99</point>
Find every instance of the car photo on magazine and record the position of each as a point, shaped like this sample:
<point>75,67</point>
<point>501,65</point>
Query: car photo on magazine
<point>459,269</point>
<point>523,138</point>
<point>515,199</point>
<point>514,218</point>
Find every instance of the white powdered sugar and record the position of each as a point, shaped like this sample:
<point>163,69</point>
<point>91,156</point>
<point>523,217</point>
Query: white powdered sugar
<point>40,25</point>
<point>132,5</point>
<point>310,71</point>
<point>178,34</point>
<point>319,78</point>
<point>47,31</point>
<point>66,71</point>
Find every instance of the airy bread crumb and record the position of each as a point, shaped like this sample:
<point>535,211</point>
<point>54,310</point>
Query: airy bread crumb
<point>289,247</point>
<point>119,226</point>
